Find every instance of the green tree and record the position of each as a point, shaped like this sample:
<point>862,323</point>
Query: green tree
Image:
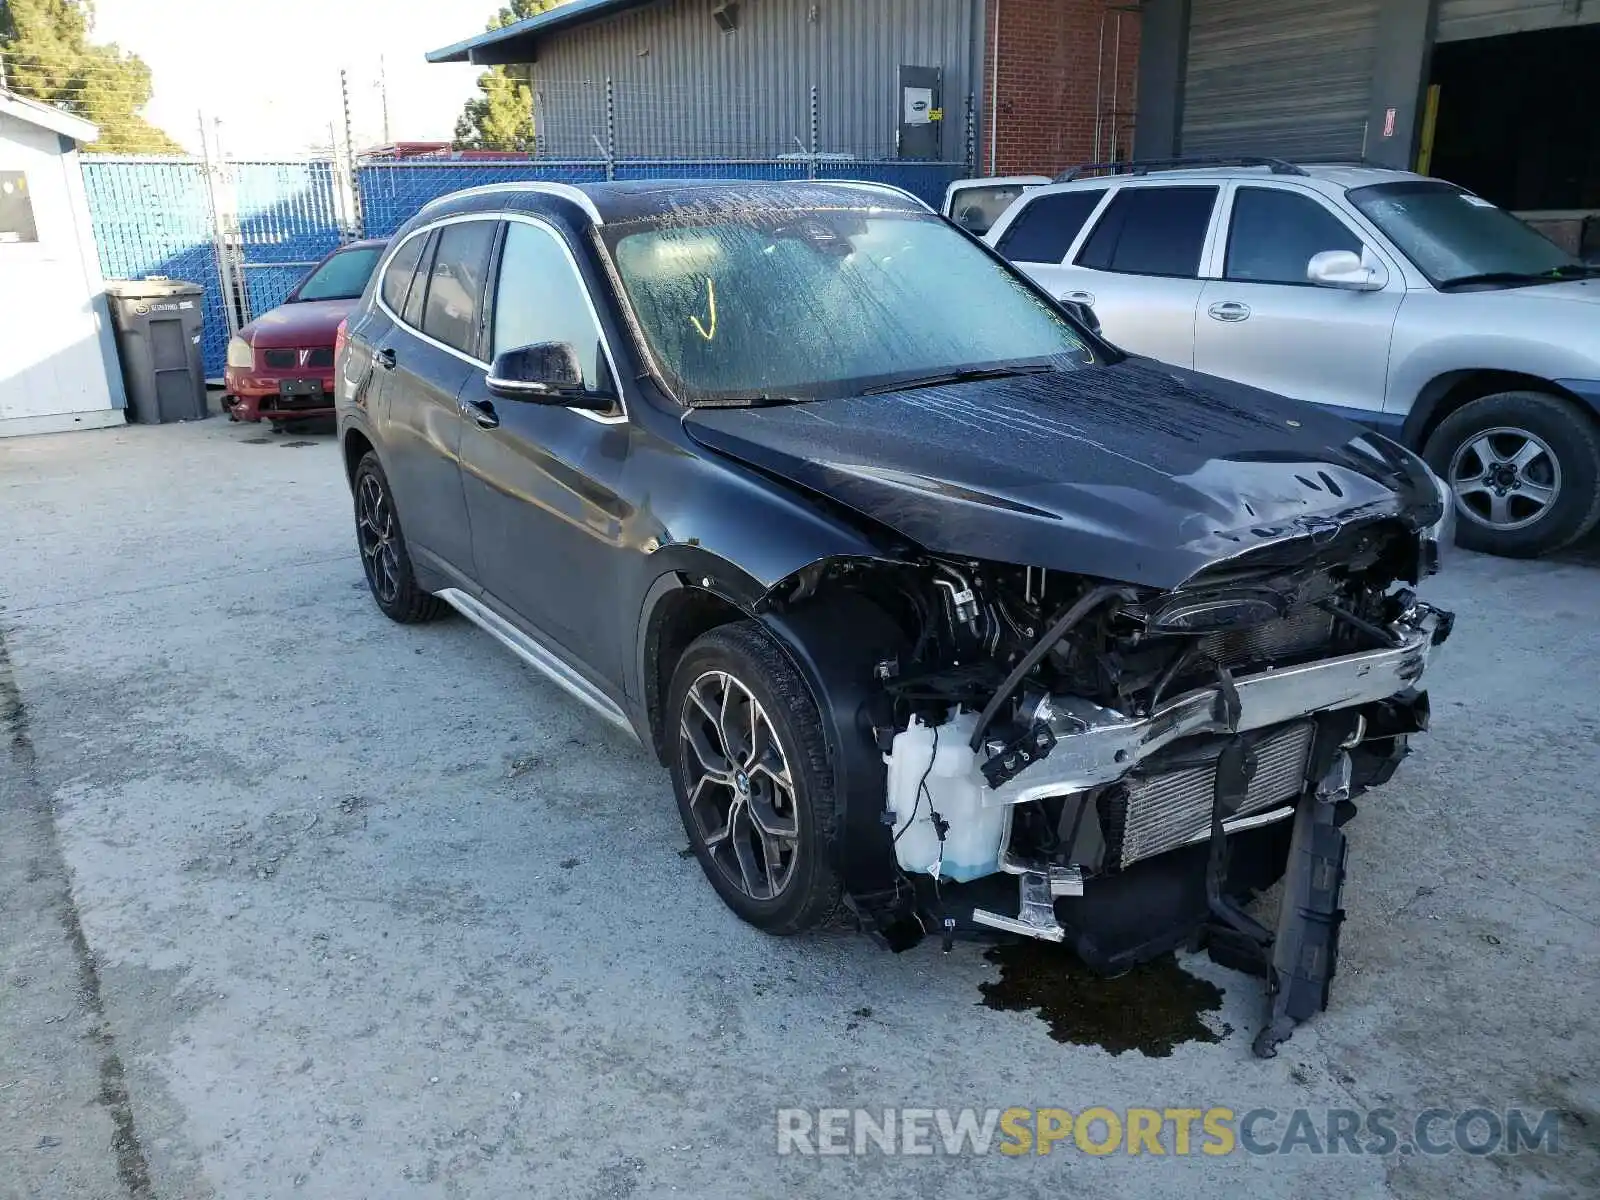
<point>501,117</point>
<point>47,55</point>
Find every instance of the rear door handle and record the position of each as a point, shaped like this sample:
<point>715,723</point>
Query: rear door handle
<point>1229,310</point>
<point>384,358</point>
<point>1079,298</point>
<point>482,412</point>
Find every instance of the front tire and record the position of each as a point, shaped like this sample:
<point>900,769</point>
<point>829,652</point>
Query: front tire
<point>384,557</point>
<point>1525,470</point>
<point>754,787</point>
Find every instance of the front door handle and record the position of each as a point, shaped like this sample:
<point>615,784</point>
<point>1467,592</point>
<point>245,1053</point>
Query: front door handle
<point>1080,298</point>
<point>1229,310</point>
<point>482,412</point>
<point>384,358</point>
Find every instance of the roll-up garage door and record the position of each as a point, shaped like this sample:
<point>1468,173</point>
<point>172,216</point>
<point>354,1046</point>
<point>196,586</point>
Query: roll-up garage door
<point>1287,78</point>
<point>1462,19</point>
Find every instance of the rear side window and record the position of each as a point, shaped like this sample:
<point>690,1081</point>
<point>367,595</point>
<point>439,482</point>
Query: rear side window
<point>1152,231</point>
<point>412,313</point>
<point>455,284</point>
<point>1274,233</point>
<point>397,275</point>
<point>1044,230</point>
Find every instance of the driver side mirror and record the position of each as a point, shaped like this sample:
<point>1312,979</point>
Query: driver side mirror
<point>1347,270</point>
<point>545,373</point>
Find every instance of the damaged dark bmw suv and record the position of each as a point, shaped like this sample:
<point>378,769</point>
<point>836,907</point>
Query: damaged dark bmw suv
<point>933,603</point>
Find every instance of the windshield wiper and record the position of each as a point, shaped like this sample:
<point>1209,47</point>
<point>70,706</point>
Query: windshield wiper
<point>1553,275</point>
<point>966,376</point>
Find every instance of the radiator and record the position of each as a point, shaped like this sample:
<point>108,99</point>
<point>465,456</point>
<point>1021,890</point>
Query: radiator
<point>1287,638</point>
<point>1162,812</point>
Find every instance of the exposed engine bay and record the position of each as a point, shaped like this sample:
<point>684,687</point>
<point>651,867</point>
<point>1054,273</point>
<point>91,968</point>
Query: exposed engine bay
<point>1089,745</point>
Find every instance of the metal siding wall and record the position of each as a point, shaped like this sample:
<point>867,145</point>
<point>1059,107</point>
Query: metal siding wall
<point>1289,78</point>
<point>1463,19</point>
<point>682,88</point>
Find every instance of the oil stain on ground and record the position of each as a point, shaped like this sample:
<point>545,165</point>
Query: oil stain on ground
<point>1152,1008</point>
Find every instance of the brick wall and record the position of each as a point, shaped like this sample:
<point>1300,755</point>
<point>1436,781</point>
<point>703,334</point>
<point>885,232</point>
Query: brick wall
<point>1047,80</point>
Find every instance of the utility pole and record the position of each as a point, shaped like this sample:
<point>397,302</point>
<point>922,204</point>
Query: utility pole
<point>231,292</point>
<point>383,89</point>
<point>344,93</point>
<point>350,151</point>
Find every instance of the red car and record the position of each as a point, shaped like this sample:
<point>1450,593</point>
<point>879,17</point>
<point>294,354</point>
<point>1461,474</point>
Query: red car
<point>280,366</point>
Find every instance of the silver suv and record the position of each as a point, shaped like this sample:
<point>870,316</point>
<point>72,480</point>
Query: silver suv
<point>1404,302</point>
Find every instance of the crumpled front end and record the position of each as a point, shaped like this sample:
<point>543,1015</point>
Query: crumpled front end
<point>1120,768</point>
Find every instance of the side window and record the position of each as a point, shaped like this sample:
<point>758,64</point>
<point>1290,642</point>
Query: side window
<point>1151,231</point>
<point>412,313</point>
<point>1274,233</point>
<point>1044,230</point>
<point>455,284</point>
<point>540,298</point>
<point>397,275</point>
<point>16,209</point>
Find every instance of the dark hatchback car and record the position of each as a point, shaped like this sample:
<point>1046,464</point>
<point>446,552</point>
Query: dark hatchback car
<point>280,366</point>
<point>932,602</point>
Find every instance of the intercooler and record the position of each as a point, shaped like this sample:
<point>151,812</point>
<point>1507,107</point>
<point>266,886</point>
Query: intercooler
<point>1153,814</point>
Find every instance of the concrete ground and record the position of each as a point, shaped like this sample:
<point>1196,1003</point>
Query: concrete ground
<point>299,902</point>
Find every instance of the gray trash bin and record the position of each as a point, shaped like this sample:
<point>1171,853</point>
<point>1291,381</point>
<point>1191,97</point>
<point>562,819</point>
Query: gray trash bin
<point>158,323</point>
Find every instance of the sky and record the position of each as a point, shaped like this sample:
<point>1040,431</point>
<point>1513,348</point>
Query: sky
<point>269,72</point>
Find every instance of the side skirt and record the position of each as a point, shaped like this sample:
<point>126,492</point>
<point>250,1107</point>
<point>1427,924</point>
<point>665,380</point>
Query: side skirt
<point>538,656</point>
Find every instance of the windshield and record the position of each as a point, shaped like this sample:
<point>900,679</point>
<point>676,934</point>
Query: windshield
<point>1453,235</point>
<point>811,303</point>
<point>342,277</point>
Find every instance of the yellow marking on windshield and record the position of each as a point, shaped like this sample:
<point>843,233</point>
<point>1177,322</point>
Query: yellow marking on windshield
<point>711,305</point>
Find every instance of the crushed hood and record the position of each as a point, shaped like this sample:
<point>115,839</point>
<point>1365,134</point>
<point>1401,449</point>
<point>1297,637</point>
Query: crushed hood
<point>1137,472</point>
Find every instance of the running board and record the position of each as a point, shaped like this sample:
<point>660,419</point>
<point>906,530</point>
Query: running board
<point>537,656</point>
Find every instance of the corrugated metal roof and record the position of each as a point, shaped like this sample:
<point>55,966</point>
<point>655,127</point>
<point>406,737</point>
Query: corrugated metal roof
<point>519,43</point>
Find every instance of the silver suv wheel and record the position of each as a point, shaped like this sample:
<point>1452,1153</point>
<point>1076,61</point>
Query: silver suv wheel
<point>1505,478</point>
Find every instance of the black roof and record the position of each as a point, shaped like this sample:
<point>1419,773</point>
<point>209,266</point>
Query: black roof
<point>641,199</point>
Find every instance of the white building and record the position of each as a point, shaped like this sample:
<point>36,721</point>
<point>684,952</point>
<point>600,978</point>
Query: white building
<point>58,364</point>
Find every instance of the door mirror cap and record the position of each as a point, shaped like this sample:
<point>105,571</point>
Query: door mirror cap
<point>1348,270</point>
<point>544,373</point>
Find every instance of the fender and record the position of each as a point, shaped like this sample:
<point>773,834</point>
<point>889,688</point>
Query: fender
<point>719,526</point>
<point>722,583</point>
<point>1419,421</point>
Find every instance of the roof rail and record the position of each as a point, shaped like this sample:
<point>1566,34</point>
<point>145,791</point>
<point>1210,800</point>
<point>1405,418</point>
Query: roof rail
<point>1145,166</point>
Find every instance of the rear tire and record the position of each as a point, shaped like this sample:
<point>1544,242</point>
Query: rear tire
<point>1525,470</point>
<point>750,769</point>
<point>384,557</point>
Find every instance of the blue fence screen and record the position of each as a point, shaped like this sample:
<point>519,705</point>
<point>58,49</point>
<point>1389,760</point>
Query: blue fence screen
<point>152,217</point>
<point>170,216</point>
<point>392,192</point>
